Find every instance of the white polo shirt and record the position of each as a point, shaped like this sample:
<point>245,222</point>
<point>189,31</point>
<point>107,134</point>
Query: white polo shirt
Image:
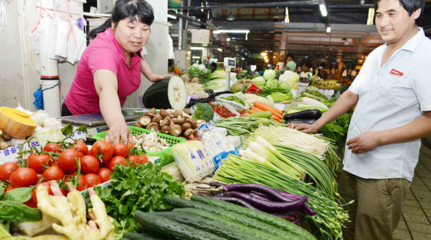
<point>390,96</point>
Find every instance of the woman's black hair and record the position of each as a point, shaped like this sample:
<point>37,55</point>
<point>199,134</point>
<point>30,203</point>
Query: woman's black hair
<point>126,9</point>
<point>409,5</point>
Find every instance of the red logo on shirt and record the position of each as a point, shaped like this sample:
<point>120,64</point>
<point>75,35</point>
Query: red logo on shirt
<point>395,72</point>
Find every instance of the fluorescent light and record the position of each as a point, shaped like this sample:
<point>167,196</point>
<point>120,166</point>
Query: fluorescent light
<point>196,57</point>
<point>286,18</point>
<point>242,58</point>
<point>228,39</point>
<point>172,16</point>
<point>328,29</point>
<point>323,11</point>
<point>219,49</point>
<point>231,31</point>
<point>370,20</point>
<point>197,48</point>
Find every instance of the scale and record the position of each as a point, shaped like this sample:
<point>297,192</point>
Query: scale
<point>229,63</point>
<point>92,119</point>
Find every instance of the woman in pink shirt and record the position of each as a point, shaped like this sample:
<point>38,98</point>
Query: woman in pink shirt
<point>111,66</point>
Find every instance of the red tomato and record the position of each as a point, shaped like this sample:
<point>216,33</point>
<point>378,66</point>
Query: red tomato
<point>31,203</point>
<point>23,177</point>
<point>90,164</point>
<point>63,191</point>
<point>38,162</point>
<point>142,159</point>
<point>53,173</point>
<point>6,170</point>
<point>104,148</point>
<point>133,159</point>
<point>82,183</point>
<point>117,160</point>
<point>104,174</point>
<point>121,149</point>
<point>46,185</point>
<point>52,147</point>
<point>67,160</point>
<point>39,176</point>
<point>92,179</point>
<point>81,147</point>
<point>8,189</point>
<point>130,145</point>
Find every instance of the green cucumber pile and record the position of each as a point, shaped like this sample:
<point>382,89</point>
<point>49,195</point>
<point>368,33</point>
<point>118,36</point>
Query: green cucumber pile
<point>209,218</point>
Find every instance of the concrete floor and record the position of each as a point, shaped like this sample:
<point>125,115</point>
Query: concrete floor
<point>416,219</point>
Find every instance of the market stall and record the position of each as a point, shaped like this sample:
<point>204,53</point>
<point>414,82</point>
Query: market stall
<point>225,167</point>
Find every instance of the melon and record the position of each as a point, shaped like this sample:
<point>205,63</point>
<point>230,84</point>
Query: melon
<point>169,93</point>
<point>15,123</point>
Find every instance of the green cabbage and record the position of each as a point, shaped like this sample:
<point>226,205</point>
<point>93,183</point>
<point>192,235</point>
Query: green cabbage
<point>285,85</point>
<point>272,83</point>
<point>269,74</point>
<point>259,81</point>
<point>218,74</point>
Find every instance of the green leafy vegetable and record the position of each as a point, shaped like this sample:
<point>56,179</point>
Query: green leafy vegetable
<point>203,75</point>
<point>137,188</point>
<point>271,83</point>
<point>270,90</point>
<point>217,74</point>
<point>281,97</point>
<point>14,211</point>
<point>19,194</point>
<point>269,74</point>
<point>259,81</point>
<point>285,85</point>
<point>204,111</point>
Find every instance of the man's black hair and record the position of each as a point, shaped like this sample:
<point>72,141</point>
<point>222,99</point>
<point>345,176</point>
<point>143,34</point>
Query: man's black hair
<point>409,5</point>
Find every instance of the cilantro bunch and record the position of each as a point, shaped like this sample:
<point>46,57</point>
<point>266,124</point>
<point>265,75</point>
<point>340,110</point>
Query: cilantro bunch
<point>137,188</point>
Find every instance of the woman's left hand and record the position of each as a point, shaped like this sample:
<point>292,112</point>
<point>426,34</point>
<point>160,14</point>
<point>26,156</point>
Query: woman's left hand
<point>158,77</point>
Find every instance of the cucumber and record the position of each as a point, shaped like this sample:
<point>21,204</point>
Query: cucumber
<point>235,217</point>
<point>261,216</point>
<point>218,228</point>
<point>139,236</point>
<point>239,227</point>
<point>264,114</point>
<point>168,229</point>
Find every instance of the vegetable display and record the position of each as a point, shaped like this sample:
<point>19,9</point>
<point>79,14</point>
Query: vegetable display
<point>329,218</point>
<point>137,188</point>
<point>15,123</point>
<point>235,99</point>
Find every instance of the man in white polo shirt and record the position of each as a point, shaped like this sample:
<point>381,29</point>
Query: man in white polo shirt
<point>393,97</point>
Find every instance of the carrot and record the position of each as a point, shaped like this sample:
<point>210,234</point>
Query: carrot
<point>266,107</point>
<point>253,111</point>
<point>256,109</point>
<point>245,115</point>
<point>276,118</point>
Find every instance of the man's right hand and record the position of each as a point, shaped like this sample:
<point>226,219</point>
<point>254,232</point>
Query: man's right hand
<point>305,128</point>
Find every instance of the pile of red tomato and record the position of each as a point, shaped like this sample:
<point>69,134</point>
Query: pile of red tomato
<point>96,166</point>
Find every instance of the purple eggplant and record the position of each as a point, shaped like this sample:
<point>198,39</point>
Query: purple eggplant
<point>248,187</point>
<point>236,201</point>
<point>216,184</point>
<point>308,211</point>
<point>288,195</point>
<point>269,206</point>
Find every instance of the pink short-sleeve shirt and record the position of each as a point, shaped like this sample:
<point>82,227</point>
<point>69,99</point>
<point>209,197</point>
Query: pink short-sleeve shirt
<point>104,52</point>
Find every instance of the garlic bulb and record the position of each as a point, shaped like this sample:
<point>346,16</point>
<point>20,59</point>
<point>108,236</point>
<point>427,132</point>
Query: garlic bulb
<point>39,117</point>
<point>51,122</point>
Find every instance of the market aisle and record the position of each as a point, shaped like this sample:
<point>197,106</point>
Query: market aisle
<point>416,220</point>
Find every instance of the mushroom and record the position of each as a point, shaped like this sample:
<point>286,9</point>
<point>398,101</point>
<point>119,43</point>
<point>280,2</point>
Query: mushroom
<point>155,149</point>
<point>164,113</point>
<point>195,133</point>
<point>192,122</point>
<point>157,118</point>
<point>175,130</point>
<point>185,126</point>
<point>166,129</point>
<point>178,113</point>
<point>154,111</point>
<point>200,122</point>
<point>144,121</point>
<point>189,134</point>
<point>149,114</point>
<point>153,127</point>
<point>178,121</point>
<point>149,143</point>
<point>165,122</point>
<point>137,125</point>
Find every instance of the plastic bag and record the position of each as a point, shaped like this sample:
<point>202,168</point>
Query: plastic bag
<point>193,161</point>
<point>211,97</point>
<point>217,146</point>
<point>237,106</point>
<point>226,105</point>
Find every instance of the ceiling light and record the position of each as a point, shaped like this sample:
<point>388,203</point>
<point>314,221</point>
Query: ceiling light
<point>231,31</point>
<point>196,57</point>
<point>286,17</point>
<point>233,38</point>
<point>230,18</point>
<point>323,11</point>
<point>172,16</point>
<point>328,29</point>
<point>197,48</point>
<point>219,49</point>
<point>370,20</point>
<point>202,5</point>
<point>242,58</point>
<point>228,39</point>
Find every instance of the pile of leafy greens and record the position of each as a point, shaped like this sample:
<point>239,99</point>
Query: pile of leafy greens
<point>137,188</point>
